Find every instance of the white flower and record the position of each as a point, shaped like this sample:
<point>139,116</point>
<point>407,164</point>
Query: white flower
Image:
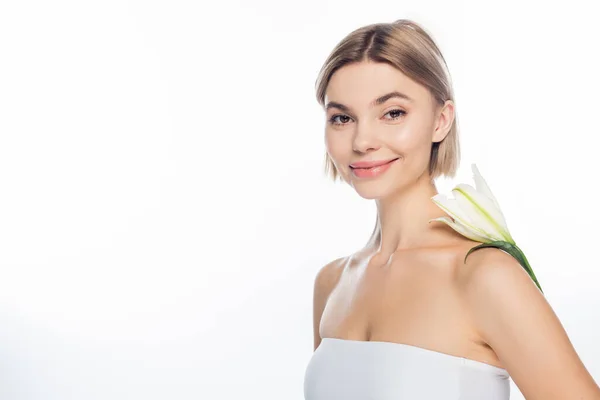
<point>476,213</point>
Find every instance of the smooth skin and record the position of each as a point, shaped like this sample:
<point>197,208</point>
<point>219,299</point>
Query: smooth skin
<point>410,284</point>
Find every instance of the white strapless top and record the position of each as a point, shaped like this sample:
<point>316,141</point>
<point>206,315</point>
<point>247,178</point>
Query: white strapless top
<point>369,370</point>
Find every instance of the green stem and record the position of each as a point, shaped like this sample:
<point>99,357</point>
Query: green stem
<point>528,267</point>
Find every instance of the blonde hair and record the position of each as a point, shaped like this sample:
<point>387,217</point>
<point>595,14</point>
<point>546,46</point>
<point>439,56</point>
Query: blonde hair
<point>406,46</point>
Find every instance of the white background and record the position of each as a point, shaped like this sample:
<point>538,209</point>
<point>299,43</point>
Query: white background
<point>163,211</point>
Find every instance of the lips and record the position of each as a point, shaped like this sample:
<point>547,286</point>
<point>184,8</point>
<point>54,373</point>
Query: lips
<point>370,164</point>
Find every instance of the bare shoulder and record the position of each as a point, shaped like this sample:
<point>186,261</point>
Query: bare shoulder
<point>514,318</point>
<point>491,280</point>
<point>328,275</point>
<point>490,266</point>
<point>325,281</point>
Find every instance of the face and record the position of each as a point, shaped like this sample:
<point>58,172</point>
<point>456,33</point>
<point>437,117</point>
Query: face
<point>365,126</point>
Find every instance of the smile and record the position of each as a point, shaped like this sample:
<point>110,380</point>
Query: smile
<point>370,169</point>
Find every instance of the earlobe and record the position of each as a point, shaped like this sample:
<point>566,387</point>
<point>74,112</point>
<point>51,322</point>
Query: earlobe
<point>441,133</point>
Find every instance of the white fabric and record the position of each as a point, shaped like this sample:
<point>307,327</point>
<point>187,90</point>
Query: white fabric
<point>369,370</point>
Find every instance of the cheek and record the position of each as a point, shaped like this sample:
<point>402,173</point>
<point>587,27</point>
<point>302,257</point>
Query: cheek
<point>408,141</point>
<point>336,146</point>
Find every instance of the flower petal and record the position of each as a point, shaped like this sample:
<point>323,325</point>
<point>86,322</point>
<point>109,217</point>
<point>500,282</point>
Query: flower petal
<point>482,187</point>
<point>483,211</point>
<point>452,208</point>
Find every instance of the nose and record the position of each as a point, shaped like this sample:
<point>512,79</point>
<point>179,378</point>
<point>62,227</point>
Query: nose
<point>365,139</point>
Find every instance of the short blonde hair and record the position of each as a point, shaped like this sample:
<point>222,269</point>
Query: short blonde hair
<point>409,48</point>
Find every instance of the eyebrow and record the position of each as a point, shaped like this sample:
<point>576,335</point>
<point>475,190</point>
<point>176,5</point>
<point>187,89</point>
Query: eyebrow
<point>376,102</point>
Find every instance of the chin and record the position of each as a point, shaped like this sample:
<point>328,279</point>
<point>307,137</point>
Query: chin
<point>374,188</point>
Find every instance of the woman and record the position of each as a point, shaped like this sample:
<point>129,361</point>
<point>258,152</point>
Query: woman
<point>405,317</point>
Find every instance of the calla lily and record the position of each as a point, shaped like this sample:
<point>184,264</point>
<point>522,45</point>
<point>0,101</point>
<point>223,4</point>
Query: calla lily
<point>476,215</point>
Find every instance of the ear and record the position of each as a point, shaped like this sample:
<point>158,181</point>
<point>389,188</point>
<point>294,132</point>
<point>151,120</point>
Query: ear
<point>444,120</point>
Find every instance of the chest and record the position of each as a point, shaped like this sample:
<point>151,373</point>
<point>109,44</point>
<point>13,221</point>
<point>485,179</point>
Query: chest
<point>405,301</point>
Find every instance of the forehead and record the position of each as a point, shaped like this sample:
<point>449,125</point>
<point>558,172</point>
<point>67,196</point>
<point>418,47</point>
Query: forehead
<point>358,84</point>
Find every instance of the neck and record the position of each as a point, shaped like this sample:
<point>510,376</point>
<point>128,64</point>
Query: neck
<point>403,219</point>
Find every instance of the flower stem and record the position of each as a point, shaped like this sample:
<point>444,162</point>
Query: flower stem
<point>528,267</point>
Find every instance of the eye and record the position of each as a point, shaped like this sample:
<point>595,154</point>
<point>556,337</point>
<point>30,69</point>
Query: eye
<point>399,113</point>
<point>343,119</point>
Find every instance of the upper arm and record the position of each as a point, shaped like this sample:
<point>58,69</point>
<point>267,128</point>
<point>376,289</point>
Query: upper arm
<point>325,281</point>
<point>515,319</point>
